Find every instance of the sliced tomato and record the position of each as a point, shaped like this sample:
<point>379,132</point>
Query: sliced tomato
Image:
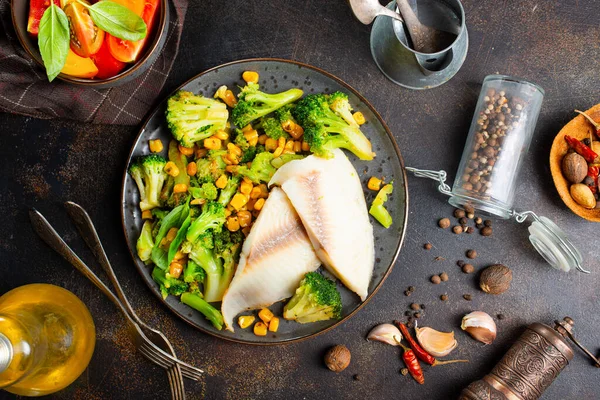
<point>80,67</point>
<point>126,50</point>
<point>86,38</point>
<point>137,6</point>
<point>108,66</point>
<point>36,11</point>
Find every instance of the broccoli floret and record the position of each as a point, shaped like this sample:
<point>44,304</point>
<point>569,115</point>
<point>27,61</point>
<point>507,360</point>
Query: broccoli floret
<point>192,118</point>
<point>199,304</point>
<point>193,272</point>
<point>227,246</point>
<point>240,140</point>
<point>212,266</point>
<point>316,299</point>
<point>261,169</point>
<point>149,175</point>
<point>229,190</point>
<point>248,151</point>
<point>168,285</point>
<point>253,103</point>
<point>212,217</point>
<point>285,113</point>
<point>325,130</point>
<point>207,191</point>
<point>145,242</point>
<point>272,128</point>
<point>339,103</point>
<point>211,167</point>
<point>378,210</point>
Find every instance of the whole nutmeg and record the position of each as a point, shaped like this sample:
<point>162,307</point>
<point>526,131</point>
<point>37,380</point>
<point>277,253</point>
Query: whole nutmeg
<point>495,279</point>
<point>337,358</point>
<point>574,167</point>
<point>583,195</point>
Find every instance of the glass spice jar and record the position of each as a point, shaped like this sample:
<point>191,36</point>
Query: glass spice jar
<point>498,140</point>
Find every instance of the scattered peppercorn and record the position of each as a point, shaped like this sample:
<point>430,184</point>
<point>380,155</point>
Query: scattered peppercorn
<point>460,263</point>
<point>500,316</point>
<point>404,371</point>
<point>444,223</point>
<point>487,222</point>
<point>417,315</point>
<point>467,297</point>
<point>422,306</point>
<point>470,215</point>
<point>444,297</point>
<point>478,220</point>
<point>458,213</point>
<point>407,292</point>
<point>469,208</point>
<point>356,377</point>
<point>468,268</point>
<point>470,230</point>
<point>457,229</point>
<point>479,225</point>
<point>407,313</point>
<point>471,254</point>
<point>463,221</point>
<point>444,276</point>
<point>486,231</point>
<point>415,306</point>
<point>435,279</point>
<point>427,246</point>
<point>411,288</point>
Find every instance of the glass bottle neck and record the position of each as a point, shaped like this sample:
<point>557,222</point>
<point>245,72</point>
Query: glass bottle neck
<point>6,352</point>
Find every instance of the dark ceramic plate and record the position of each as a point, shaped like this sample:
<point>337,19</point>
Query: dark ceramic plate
<point>275,76</point>
<point>20,13</point>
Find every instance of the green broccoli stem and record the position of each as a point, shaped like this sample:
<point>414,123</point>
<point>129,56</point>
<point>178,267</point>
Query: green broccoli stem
<point>145,242</point>
<point>229,191</point>
<point>378,210</point>
<point>214,272</point>
<point>354,139</point>
<point>201,305</point>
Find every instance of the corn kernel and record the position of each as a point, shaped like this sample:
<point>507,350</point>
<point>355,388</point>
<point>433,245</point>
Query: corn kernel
<point>278,151</point>
<point>231,169</point>
<point>289,145</point>
<point>233,149</point>
<point>259,204</point>
<point>179,255</point>
<point>245,321</point>
<point>244,218</point>
<point>155,145</point>
<point>374,183</point>
<point>175,269</point>
<point>171,169</point>
<point>230,159</point>
<point>245,187</point>
<point>281,142</point>
<point>201,153</point>
<point>221,134</point>
<point>186,151</point>
<point>262,139</point>
<point>227,212</point>
<point>147,214</point>
<point>212,143</point>
<point>297,146</point>
<point>274,324</point>
<point>359,118</point>
<point>263,190</point>
<point>228,125</point>
<point>180,188</point>
<point>265,315</point>
<point>250,77</point>
<point>192,168</point>
<point>229,98</point>
<point>238,201</point>
<point>164,243</point>
<point>305,146</point>
<point>251,136</point>
<point>270,144</point>
<point>255,213</point>
<point>197,202</point>
<point>292,128</point>
<point>260,329</point>
<point>233,224</point>
<point>250,204</point>
<point>247,128</point>
<point>221,182</point>
<point>255,193</point>
<point>171,234</point>
<point>246,231</point>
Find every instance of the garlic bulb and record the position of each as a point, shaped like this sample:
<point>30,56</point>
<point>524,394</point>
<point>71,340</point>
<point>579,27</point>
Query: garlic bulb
<point>436,343</point>
<point>386,333</point>
<point>480,326</point>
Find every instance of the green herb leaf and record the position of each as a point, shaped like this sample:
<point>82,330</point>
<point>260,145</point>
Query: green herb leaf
<point>118,20</point>
<point>53,40</point>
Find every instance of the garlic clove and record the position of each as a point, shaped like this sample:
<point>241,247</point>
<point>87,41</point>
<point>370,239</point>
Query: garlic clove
<point>480,326</point>
<point>436,343</point>
<point>386,333</point>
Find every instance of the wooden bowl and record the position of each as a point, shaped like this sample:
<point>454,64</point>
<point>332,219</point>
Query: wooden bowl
<point>579,128</point>
<point>20,13</point>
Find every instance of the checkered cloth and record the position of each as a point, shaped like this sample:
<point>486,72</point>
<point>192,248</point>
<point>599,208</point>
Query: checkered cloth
<point>24,87</point>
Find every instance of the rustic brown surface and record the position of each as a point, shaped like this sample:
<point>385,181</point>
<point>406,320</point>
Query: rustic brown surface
<point>554,44</point>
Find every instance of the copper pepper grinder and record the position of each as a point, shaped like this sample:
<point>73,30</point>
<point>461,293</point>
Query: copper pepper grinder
<point>529,366</point>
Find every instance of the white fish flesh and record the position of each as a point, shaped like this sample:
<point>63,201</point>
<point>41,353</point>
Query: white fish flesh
<point>275,257</point>
<point>328,196</point>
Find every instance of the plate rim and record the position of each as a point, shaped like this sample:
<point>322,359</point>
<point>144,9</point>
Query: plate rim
<point>396,150</point>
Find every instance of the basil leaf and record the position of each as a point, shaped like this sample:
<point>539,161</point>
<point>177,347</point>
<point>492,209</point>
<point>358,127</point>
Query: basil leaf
<point>118,20</point>
<point>53,40</point>
<point>174,246</point>
<point>174,219</point>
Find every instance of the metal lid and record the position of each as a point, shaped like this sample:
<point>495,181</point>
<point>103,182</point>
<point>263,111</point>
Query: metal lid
<point>6,352</point>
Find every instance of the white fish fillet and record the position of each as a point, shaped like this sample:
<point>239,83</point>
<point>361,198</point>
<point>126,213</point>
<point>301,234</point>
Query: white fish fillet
<point>328,196</point>
<point>275,257</point>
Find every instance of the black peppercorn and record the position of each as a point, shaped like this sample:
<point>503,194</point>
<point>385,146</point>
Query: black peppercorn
<point>444,297</point>
<point>460,263</point>
<point>463,221</point>
<point>417,315</point>
<point>471,254</point>
<point>467,297</point>
<point>470,230</point>
<point>411,288</point>
<point>407,292</point>
<point>487,222</point>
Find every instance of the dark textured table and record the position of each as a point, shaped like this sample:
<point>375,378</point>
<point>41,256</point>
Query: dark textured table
<point>555,44</point>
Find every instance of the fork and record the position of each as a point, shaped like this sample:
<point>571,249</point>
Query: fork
<point>141,341</point>
<point>90,236</point>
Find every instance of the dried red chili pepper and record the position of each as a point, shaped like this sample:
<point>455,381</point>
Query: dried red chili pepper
<point>593,173</point>
<point>420,352</point>
<point>583,150</point>
<point>414,368</point>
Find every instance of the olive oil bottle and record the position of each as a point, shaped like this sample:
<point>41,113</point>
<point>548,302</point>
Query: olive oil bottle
<point>47,339</point>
